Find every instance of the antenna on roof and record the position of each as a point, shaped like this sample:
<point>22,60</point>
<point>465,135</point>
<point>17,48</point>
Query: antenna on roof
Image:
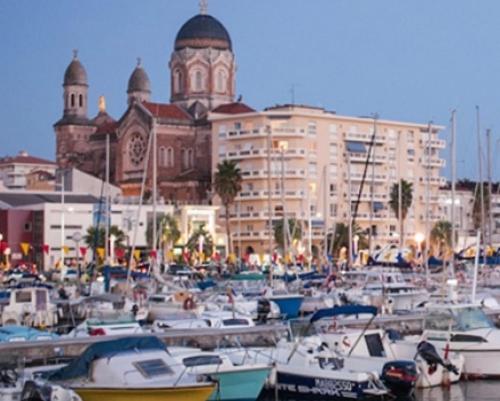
<point>75,54</point>
<point>139,61</point>
<point>203,7</point>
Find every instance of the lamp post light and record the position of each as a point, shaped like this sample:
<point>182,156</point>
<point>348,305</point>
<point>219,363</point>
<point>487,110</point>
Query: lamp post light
<point>112,239</point>
<point>419,239</point>
<point>77,237</point>
<point>355,241</point>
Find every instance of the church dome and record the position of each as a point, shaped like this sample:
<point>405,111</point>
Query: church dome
<point>75,74</point>
<point>139,80</point>
<point>203,31</point>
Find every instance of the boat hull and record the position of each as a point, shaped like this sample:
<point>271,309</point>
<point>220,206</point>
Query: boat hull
<point>289,305</point>
<point>311,383</point>
<point>185,393</point>
<point>240,385</point>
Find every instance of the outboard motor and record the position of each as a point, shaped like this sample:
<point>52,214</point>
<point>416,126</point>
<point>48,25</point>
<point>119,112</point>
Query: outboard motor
<point>429,354</point>
<point>400,377</point>
<point>263,309</point>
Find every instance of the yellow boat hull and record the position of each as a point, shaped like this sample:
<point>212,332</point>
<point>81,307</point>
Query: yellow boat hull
<point>184,393</point>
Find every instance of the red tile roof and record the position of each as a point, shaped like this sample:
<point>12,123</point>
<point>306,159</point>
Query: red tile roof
<point>21,159</point>
<point>233,108</point>
<point>167,111</point>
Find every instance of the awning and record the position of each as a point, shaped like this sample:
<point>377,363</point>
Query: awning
<point>355,147</point>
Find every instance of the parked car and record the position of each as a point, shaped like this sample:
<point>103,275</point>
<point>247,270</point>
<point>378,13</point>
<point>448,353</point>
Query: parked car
<point>18,276</point>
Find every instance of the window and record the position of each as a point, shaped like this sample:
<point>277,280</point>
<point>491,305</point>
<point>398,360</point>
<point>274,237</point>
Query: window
<point>311,128</point>
<point>197,83</point>
<point>162,156</point>
<point>23,297</point>
<point>333,130</point>
<point>237,125</point>
<point>333,210</point>
<point>411,152</point>
<point>312,168</point>
<point>183,158</point>
<point>222,151</point>
<point>201,360</point>
<point>81,100</point>
<point>190,157</point>
<point>170,157</point>
<point>153,367</point>
<point>27,226</point>
<point>221,80</point>
<point>235,322</point>
<point>333,189</point>
<point>72,100</point>
<point>177,81</point>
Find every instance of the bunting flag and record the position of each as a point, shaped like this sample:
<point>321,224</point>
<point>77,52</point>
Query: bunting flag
<point>152,254</point>
<point>100,252</point>
<point>120,253</point>
<point>137,254</point>
<point>170,255</point>
<point>25,248</point>
<point>46,248</point>
<point>66,249</point>
<point>83,251</point>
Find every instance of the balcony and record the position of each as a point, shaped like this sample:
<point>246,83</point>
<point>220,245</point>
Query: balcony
<point>432,162</point>
<point>263,195</point>
<point>362,157</point>
<point>262,174</point>
<point>262,132</point>
<point>262,215</point>
<point>366,197</point>
<point>441,181</point>
<point>375,216</point>
<point>368,178</point>
<point>257,153</point>
<point>434,143</point>
<point>380,139</point>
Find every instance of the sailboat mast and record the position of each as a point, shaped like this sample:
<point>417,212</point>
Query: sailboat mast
<point>427,200</point>
<point>490,190</point>
<point>349,197</point>
<point>480,166</point>
<point>155,179</point>
<point>107,221</point>
<point>453,189</point>
<point>372,188</point>
<point>269,204</point>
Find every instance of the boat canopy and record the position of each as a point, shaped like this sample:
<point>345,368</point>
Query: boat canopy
<point>81,366</point>
<point>343,310</point>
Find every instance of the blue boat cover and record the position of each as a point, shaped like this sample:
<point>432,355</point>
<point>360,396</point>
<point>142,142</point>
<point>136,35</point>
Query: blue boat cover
<point>81,366</point>
<point>343,310</point>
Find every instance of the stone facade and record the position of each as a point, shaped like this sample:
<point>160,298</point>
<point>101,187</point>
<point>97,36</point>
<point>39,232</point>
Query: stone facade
<point>202,69</point>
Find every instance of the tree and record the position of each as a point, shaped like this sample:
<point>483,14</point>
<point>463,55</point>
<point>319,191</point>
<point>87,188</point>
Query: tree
<point>340,238</point>
<point>406,201</point>
<point>95,237</point>
<point>476,208</point>
<point>294,227</point>
<point>193,243</point>
<point>167,228</point>
<point>227,184</point>
<point>441,235</point>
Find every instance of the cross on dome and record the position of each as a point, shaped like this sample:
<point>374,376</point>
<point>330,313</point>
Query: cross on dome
<point>203,7</point>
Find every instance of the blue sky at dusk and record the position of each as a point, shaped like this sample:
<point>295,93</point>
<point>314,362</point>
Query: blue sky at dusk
<point>407,60</point>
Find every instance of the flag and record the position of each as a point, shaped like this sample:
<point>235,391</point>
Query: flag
<point>120,253</point>
<point>25,248</point>
<point>83,251</point>
<point>46,248</point>
<point>66,249</point>
<point>100,252</point>
<point>152,254</point>
<point>137,254</point>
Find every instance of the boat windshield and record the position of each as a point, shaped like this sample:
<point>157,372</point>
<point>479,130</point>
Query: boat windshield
<point>302,328</point>
<point>471,318</point>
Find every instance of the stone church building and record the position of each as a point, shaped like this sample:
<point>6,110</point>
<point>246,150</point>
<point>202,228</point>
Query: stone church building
<point>202,70</point>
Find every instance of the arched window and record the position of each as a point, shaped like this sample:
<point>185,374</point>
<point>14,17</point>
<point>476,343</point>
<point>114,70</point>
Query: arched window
<point>72,100</point>
<point>81,100</point>
<point>183,158</point>
<point>162,156</point>
<point>221,80</point>
<point>198,84</point>
<point>177,81</point>
<point>170,157</point>
<point>190,158</point>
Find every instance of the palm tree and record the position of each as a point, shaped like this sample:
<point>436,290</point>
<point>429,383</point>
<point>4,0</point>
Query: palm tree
<point>193,243</point>
<point>341,238</point>
<point>95,237</point>
<point>406,201</point>
<point>294,228</point>
<point>168,231</point>
<point>441,236</point>
<point>227,184</point>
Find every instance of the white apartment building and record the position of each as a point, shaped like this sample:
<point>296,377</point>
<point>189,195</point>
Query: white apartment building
<point>13,170</point>
<point>315,157</point>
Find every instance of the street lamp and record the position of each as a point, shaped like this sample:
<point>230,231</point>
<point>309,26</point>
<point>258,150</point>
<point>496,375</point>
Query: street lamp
<point>112,239</point>
<point>419,239</point>
<point>77,237</point>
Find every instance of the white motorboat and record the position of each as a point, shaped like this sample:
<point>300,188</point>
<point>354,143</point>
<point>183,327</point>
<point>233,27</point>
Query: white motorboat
<point>131,369</point>
<point>466,329</point>
<point>374,349</point>
<point>385,288</point>
<point>234,383</point>
<point>112,322</point>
